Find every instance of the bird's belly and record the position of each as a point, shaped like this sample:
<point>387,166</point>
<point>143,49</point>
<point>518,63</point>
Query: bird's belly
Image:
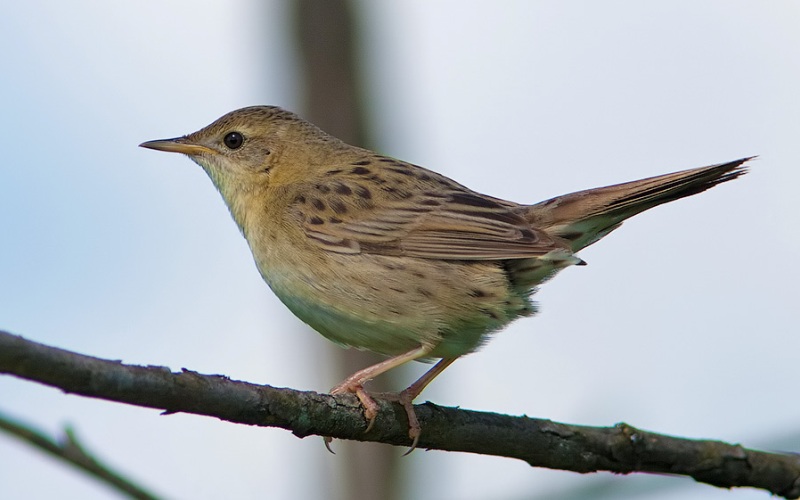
<point>357,329</point>
<point>391,305</point>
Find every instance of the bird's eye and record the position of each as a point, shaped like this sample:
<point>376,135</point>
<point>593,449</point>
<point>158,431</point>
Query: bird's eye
<point>233,140</point>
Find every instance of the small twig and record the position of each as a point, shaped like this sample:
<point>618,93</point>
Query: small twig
<point>69,449</point>
<point>541,443</point>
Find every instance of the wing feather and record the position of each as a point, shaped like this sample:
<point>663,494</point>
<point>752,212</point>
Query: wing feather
<point>453,223</point>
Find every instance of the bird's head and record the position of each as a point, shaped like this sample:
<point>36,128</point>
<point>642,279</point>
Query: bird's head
<point>254,148</point>
<point>250,150</point>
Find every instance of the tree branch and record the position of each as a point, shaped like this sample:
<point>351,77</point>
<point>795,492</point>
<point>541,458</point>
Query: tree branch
<point>541,443</point>
<point>69,449</point>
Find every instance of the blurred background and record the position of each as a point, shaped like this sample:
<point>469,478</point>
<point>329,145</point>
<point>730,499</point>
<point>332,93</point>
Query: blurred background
<point>685,321</point>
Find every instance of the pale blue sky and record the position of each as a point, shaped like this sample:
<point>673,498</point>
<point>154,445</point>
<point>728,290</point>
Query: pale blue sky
<point>684,322</point>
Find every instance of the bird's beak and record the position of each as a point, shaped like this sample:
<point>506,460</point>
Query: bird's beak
<point>177,145</point>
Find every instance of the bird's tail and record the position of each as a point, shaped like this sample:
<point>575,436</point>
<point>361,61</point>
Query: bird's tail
<point>584,217</point>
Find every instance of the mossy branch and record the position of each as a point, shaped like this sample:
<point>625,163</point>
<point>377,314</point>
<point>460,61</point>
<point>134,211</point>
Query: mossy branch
<point>541,443</point>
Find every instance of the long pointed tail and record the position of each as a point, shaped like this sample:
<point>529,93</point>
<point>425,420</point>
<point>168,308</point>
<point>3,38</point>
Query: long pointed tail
<point>584,217</point>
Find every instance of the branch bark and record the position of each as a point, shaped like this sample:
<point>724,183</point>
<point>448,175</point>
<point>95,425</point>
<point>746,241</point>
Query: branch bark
<point>540,443</point>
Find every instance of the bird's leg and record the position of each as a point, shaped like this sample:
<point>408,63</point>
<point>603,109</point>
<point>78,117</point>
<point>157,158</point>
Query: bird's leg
<point>355,383</point>
<point>407,396</point>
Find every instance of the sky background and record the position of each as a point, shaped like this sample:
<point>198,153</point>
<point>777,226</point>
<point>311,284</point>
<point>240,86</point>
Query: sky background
<point>684,322</point>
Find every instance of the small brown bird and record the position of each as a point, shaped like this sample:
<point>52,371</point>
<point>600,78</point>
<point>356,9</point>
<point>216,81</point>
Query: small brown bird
<point>379,254</point>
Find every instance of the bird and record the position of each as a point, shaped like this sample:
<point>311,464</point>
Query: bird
<point>383,255</point>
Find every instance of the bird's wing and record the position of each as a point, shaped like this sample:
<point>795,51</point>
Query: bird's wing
<point>456,224</point>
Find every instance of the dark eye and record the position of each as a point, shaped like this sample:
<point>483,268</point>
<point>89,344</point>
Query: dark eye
<point>233,140</point>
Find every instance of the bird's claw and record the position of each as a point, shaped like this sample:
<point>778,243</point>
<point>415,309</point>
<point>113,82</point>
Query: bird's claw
<point>370,408</point>
<point>328,440</point>
<point>406,398</point>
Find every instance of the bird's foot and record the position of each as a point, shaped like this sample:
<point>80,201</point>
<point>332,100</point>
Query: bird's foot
<point>406,398</point>
<point>371,409</point>
<point>355,385</point>
<point>369,404</point>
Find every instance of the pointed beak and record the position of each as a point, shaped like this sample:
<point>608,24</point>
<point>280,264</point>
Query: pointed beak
<point>177,145</point>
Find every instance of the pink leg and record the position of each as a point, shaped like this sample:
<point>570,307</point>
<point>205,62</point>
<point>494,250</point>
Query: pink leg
<point>407,397</point>
<point>355,383</point>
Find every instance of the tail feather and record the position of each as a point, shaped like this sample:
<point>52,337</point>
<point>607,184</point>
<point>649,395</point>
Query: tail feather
<point>584,217</point>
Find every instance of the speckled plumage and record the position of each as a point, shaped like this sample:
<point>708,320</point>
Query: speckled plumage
<point>380,254</point>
